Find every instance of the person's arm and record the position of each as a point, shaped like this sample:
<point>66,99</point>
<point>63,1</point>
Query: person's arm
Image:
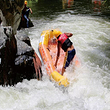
<point>30,10</point>
<point>58,53</point>
<point>68,34</point>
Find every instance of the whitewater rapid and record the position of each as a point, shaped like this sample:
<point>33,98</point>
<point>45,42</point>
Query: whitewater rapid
<point>89,87</point>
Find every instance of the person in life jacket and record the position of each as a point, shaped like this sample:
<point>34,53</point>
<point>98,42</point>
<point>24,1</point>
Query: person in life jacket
<point>25,13</point>
<point>65,43</point>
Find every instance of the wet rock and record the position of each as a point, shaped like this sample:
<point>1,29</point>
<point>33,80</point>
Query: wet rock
<point>8,53</point>
<point>24,38</point>
<point>11,13</point>
<point>30,54</point>
<point>24,66</point>
<point>18,59</point>
<point>27,64</point>
<point>0,20</point>
<point>24,25</point>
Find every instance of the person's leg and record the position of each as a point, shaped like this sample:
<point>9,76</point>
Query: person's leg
<point>70,57</point>
<point>27,21</point>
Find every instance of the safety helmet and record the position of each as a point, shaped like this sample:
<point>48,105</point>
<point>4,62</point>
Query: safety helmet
<point>25,2</point>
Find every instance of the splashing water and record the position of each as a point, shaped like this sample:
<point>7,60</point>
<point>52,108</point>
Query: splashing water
<point>89,84</point>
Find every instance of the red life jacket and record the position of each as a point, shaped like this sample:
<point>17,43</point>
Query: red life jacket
<point>62,38</point>
<point>65,41</point>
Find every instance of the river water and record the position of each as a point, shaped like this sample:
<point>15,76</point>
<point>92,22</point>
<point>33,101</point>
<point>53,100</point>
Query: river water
<point>89,87</point>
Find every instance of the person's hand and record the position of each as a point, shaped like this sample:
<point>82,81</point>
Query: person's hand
<point>69,34</point>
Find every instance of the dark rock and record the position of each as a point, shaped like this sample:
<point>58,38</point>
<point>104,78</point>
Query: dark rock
<point>18,59</point>
<point>25,39</point>
<point>23,24</point>
<point>27,64</point>
<point>8,54</point>
<point>0,20</point>
<point>11,12</point>
<point>23,48</point>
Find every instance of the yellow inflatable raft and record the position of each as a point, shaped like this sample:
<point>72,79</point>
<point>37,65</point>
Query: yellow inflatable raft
<point>48,52</point>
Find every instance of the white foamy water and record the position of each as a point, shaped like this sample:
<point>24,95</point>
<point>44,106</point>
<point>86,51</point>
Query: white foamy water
<point>89,84</point>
